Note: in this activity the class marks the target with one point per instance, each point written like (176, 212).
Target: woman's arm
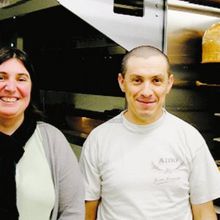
(68, 180)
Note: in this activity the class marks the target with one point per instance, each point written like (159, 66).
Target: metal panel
(126, 30)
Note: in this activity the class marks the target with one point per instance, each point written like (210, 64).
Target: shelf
(216, 139)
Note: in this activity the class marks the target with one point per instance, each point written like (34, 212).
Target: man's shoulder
(181, 124)
(108, 125)
(178, 120)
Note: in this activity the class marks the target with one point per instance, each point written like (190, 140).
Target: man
(146, 164)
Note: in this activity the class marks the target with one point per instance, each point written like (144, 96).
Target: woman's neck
(9, 126)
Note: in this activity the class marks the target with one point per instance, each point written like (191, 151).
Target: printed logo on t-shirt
(167, 169)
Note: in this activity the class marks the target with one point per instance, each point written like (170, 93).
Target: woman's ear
(121, 82)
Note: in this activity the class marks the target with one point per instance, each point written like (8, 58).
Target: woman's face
(15, 89)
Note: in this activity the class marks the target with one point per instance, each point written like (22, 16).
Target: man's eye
(157, 80)
(136, 81)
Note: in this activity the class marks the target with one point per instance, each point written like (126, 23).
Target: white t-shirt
(148, 172)
(35, 189)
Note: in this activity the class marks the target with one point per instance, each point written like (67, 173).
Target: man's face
(145, 84)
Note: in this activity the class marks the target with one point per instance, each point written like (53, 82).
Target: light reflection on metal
(193, 83)
(11, 3)
(129, 7)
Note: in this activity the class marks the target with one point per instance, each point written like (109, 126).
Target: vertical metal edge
(164, 31)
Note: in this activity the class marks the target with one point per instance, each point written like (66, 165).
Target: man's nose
(147, 89)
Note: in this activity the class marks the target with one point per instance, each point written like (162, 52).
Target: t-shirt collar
(142, 128)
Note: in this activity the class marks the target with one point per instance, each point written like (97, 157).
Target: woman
(39, 173)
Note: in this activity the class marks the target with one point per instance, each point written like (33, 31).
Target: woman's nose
(10, 85)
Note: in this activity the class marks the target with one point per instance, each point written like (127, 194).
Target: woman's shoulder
(52, 137)
(47, 126)
(49, 130)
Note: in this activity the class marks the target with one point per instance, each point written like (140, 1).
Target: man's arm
(204, 211)
(91, 209)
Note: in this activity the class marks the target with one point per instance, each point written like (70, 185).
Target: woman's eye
(22, 77)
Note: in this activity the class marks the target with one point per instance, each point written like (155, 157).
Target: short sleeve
(89, 166)
(204, 177)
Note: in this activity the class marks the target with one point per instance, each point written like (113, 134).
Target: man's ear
(170, 83)
(121, 82)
